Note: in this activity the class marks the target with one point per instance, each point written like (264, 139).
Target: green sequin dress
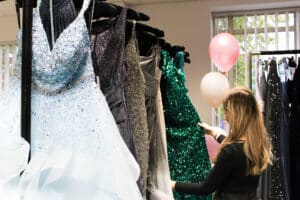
(187, 152)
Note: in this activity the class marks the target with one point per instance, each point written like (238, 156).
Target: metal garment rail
(275, 52)
(27, 6)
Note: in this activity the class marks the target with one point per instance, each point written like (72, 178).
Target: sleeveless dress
(136, 106)
(108, 44)
(77, 150)
(187, 152)
(158, 183)
(273, 114)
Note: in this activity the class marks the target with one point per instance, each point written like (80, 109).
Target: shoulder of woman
(232, 149)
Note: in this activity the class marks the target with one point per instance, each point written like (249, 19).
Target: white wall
(184, 23)
(8, 21)
(188, 24)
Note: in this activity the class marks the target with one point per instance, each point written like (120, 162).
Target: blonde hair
(246, 122)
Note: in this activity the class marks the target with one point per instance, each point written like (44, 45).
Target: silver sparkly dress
(77, 150)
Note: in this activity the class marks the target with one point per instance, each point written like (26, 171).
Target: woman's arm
(216, 178)
(217, 133)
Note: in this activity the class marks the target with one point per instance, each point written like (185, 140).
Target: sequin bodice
(54, 70)
(178, 110)
(187, 152)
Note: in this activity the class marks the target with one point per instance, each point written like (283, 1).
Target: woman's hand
(207, 129)
(213, 131)
(173, 183)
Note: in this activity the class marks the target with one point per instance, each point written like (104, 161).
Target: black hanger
(19, 3)
(292, 62)
(105, 9)
(186, 53)
(187, 57)
(166, 46)
(153, 33)
(187, 60)
(146, 40)
(145, 28)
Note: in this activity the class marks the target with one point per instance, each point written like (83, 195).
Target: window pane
(271, 41)
(282, 41)
(261, 41)
(221, 25)
(238, 22)
(270, 20)
(260, 21)
(250, 21)
(240, 39)
(291, 19)
(240, 71)
(281, 20)
(291, 40)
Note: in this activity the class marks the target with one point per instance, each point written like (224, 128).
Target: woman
(243, 155)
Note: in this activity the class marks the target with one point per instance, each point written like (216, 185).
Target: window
(256, 30)
(7, 61)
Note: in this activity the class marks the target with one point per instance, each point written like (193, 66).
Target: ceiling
(138, 2)
(7, 7)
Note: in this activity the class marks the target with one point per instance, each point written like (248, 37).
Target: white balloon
(214, 87)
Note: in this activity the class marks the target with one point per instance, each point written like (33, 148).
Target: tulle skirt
(77, 150)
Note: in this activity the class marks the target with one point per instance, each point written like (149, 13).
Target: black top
(229, 175)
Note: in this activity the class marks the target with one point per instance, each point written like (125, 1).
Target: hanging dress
(273, 114)
(77, 150)
(158, 182)
(108, 44)
(136, 106)
(14, 150)
(162, 174)
(187, 152)
(294, 99)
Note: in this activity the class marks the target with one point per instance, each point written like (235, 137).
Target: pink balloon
(224, 51)
(212, 146)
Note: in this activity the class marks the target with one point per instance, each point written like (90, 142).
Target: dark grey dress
(108, 44)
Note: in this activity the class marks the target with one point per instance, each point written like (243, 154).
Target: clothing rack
(275, 52)
(27, 6)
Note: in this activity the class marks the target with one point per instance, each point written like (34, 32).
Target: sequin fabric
(272, 121)
(75, 140)
(108, 44)
(187, 152)
(136, 106)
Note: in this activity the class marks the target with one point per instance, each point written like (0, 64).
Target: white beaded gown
(77, 150)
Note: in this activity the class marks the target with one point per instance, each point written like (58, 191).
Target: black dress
(108, 44)
(273, 113)
(294, 98)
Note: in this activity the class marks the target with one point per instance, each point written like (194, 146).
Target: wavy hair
(246, 123)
